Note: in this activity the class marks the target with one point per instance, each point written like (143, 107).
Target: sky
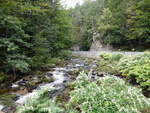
(71, 3)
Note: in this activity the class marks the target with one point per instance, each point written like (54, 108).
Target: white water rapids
(1, 107)
(59, 77)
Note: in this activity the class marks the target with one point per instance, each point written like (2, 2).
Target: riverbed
(57, 80)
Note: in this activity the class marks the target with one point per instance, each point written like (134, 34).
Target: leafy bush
(106, 95)
(52, 62)
(40, 104)
(21, 64)
(105, 56)
(66, 54)
(111, 57)
(116, 57)
(137, 67)
(2, 77)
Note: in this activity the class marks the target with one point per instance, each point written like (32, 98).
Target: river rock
(56, 91)
(49, 74)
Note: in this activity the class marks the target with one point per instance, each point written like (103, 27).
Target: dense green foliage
(111, 57)
(81, 30)
(106, 95)
(137, 67)
(120, 23)
(138, 22)
(31, 33)
(34, 33)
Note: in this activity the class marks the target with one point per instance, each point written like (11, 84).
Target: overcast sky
(71, 3)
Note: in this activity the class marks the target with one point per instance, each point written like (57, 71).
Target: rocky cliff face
(98, 46)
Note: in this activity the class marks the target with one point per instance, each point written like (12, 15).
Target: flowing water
(1, 107)
(60, 77)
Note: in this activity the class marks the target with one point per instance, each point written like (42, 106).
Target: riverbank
(59, 82)
(89, 90)
(12, 89)
(27, 86)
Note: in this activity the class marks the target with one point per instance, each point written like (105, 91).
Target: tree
(120, 23)
(139, 22)
(31, 32)
(105, 26)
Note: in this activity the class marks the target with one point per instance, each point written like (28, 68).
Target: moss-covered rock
(33, 82)
(73, 74)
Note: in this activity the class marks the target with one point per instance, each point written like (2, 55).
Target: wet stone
(57, 79)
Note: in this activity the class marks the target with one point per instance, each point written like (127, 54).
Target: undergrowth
(41, 103)
(105, 95)
(135, 67)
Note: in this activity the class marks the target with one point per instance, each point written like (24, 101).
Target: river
(60, 76)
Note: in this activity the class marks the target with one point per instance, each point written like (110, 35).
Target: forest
(123, 24)
(31, 33)
(39, 72)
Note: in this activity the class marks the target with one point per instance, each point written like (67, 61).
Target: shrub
(111, 57)
(106, 95)
(115, 57)
(2, 77)
(40, 104)
(19, 65)
(51, 63)
(65, 54)
(105, 56)
(137, 67)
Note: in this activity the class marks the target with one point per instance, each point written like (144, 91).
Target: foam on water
(79, 65)
(1, 107)
(24, 98)
(15, 86)
(57, 75)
